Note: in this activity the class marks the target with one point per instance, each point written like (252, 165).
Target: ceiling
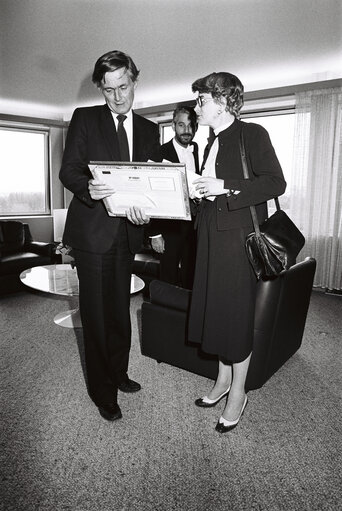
(49, 47)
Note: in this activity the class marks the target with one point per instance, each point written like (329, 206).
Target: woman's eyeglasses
(202, 101)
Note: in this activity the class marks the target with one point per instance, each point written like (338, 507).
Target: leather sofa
(18, 252)
(280, 317)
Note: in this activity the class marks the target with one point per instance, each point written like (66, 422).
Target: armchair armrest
(38, 247)
(41, 248)
(168, 295)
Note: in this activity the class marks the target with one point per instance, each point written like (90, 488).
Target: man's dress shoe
(129, 386)
(110, 412)
(205, 402)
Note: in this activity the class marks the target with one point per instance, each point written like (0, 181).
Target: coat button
(219, 209)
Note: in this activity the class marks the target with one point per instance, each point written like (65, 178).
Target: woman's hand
(99, 190)
(208, 186)
(137, 216)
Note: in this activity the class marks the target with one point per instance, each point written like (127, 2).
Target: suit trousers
(104, 299)
(177, 263)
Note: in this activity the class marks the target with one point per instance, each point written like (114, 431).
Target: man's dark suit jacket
(92, 137)
(169, 152)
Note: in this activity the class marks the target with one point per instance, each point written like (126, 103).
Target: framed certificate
(160, 189)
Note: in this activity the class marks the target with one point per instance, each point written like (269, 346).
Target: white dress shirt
(185, 155)
(209, 169)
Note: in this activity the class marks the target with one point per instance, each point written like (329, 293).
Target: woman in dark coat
(223, 297)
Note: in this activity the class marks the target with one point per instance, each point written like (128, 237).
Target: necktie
(211, 140)
(122, 138)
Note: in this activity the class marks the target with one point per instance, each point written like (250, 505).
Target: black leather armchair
(18, 252)
(280, 317)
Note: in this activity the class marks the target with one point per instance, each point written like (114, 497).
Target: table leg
(69, 319)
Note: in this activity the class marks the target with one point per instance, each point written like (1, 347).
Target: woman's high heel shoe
(205, 402)
(223, 425)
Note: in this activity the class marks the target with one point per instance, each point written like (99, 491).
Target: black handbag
(275, 244)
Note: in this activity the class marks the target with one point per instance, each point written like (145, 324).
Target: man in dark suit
(104, 246)
(177, 239)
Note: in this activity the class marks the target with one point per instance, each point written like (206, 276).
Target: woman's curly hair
(222, 85)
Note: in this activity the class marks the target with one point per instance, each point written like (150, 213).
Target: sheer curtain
(316, 183)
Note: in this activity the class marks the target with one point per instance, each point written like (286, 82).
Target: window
(24, 171)
(280, 128)
(275, 115)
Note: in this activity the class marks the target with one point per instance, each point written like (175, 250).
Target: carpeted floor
(57, 453)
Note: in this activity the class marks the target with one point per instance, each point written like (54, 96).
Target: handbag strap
(246, 176)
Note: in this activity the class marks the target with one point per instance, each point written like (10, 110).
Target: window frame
(251, 109)
(25, 127)
(162, 125)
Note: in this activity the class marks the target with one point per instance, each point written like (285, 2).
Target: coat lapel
(171, 153)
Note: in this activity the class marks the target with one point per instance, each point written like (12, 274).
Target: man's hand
(99, 190)
(137, 216)
(158, 244)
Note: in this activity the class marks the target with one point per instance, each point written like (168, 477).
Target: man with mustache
(177, 240)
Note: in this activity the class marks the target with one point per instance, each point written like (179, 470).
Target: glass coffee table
(61, 279)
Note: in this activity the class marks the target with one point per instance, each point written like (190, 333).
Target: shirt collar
(178, 146)
(129, 116)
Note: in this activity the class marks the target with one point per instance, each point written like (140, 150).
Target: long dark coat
(223, 297)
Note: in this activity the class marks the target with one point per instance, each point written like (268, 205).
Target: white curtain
(316, 183)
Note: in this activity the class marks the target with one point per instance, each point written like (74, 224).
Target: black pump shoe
(223, 426)
(205, 402)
